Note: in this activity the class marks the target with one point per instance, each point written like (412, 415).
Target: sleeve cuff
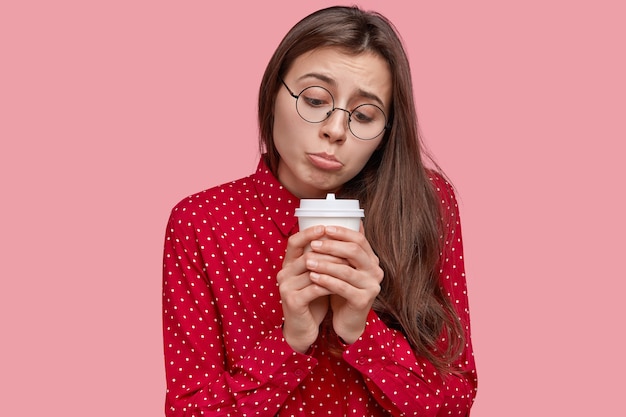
(274, 362)
(376, 347)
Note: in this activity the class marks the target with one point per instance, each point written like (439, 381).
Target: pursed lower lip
(325, 163)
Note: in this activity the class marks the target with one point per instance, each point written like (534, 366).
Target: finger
(359, 278)
(313, 256)
(358, 293)
(358, 253)
(337, 277)
(292, 282)
(342, 233)
(348, 235)
(299, 241)
(296, 271)
(297, 300)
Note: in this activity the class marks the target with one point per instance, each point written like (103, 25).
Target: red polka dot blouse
(225, 354)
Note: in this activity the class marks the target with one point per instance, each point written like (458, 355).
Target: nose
(335, 127)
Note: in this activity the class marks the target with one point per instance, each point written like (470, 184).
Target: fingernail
(331, 229)
(311, 263)
(314, 276)
(316, 244)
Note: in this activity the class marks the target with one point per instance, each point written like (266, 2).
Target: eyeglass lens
(316, 104)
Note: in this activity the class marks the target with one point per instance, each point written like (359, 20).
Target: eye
(367, 113)
(316, 97)
(360, 117)
(314, 102)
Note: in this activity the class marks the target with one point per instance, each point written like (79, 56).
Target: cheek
(367, 149)
(283, 122)
(359, 155)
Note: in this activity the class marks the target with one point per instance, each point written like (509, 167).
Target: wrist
(349, 337)
(300, 345)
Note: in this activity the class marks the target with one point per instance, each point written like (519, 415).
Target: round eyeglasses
(316, 104)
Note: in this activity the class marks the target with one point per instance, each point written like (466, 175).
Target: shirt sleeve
(199, 382)
(401, 381)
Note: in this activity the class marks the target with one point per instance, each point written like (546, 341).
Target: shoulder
(213, 199)
(446, 199)
(442, 187)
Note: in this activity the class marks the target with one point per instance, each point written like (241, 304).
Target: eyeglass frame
(330, 113)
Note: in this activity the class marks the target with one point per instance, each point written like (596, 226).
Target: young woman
(368, 323)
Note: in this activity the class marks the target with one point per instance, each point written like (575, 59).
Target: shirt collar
(279, 203)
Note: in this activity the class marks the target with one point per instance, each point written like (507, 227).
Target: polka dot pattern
(224, 350)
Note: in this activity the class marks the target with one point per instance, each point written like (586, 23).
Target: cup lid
(329, 207)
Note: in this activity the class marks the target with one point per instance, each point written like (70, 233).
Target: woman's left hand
(354, 283)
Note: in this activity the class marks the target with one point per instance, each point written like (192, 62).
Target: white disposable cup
(329, 212)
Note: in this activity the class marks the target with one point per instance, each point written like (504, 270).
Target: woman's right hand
(304, 303)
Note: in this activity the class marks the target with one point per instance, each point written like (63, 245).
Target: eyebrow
(332, 82)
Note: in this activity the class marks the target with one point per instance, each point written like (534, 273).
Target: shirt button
(299, 373)
(362, 360)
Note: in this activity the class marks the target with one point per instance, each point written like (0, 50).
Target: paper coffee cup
(329, 212)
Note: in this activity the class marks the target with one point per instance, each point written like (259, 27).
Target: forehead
(347, 72)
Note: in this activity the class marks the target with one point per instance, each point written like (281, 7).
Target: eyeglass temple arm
(288, 89)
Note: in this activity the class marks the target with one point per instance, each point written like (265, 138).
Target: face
(318, 158)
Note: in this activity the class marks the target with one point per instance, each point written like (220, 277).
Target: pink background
(111, 112)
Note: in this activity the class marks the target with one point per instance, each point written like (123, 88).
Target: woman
(367, 323)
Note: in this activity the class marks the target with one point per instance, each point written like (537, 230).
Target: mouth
(324, 161)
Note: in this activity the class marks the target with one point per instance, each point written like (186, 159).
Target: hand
(353, 283)
(304, 303)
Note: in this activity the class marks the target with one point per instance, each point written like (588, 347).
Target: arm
(463, 382)
(200, 378)
(402, 382)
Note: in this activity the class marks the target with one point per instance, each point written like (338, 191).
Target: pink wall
(111, 113)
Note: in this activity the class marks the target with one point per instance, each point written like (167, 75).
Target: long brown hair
(403, 220)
